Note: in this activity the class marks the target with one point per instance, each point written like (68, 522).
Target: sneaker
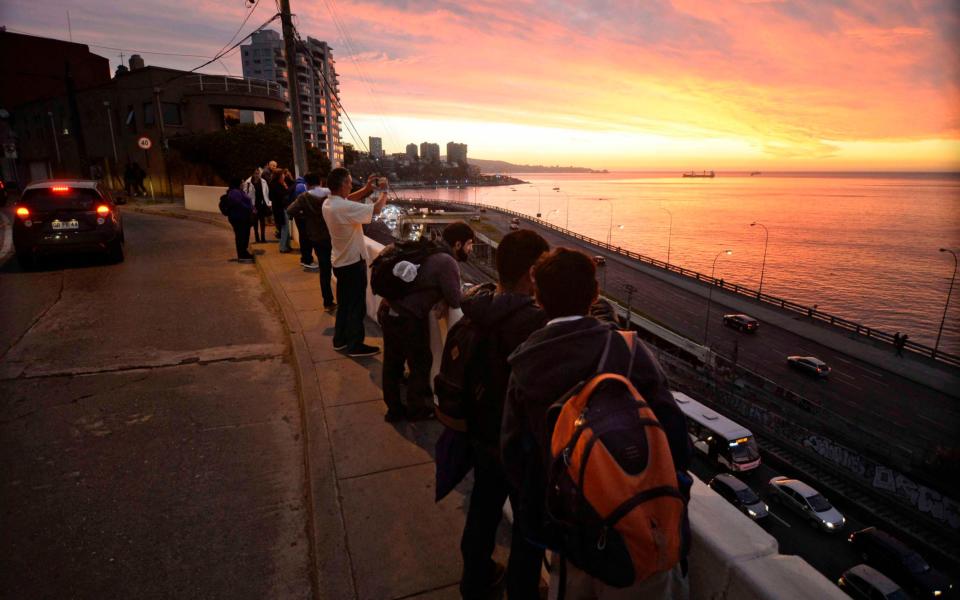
(340, 347)
(363, 350)
(245, 261)
(311, 266)
(394, 415)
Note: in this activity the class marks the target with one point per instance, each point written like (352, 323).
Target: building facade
(97, 131)
(456, 153)
(317, 84)
(412, 152)
(376, 147)
(429, 152)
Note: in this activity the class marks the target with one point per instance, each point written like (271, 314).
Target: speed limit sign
(145, 143)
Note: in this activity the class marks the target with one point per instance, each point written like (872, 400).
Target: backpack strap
(630, 339)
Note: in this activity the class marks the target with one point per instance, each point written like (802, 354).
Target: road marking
(842, 360)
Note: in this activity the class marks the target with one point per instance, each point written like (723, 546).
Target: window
(149, 114)
(171, 113)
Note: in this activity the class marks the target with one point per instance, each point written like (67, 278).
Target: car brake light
(60, 189)
(23, 212)
(103, 210)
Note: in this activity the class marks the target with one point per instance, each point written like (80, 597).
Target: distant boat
(755, 173)
(699, 174)
(556, 189)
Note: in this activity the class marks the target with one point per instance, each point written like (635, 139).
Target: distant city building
(317, 84)
(456, 153)
(376, 147)
(412, 152)
(429, 152)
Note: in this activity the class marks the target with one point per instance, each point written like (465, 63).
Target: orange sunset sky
(752, 84)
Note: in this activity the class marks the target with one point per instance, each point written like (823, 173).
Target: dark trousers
(306, 246)
(406, 340)
(324, 249)
(490, 491)
(241, 234)
(260, 221)
(352, 305)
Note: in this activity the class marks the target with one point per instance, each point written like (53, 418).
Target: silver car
(807, 502)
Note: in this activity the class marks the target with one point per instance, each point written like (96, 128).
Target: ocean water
(863, 246)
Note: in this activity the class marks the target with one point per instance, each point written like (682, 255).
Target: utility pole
(293, 89)
(163, 138)
(630, 290)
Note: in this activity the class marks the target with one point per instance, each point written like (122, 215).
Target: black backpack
(225, 204)
(382, 280)
(463, 364)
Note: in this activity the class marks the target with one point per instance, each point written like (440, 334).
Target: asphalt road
(150, 426)
(914, 417)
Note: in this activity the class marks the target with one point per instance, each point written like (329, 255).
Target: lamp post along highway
(947, 304)
(610, 227)
(713, 279)
(669, 232)
(763, 265)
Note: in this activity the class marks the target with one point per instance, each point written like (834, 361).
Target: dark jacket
(309, 207)
(544, 368)
(438, 279)
(240, 206)
(278, 193)
(508, 319)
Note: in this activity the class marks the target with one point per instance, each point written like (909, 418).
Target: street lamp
(538, 200)
(763, 265)
(610, 228)
(945, 306)
(669, 232)
(706, 325)
(567, 226)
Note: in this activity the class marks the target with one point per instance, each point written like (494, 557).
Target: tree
(237, 151)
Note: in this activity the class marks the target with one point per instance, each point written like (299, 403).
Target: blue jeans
(283, 224)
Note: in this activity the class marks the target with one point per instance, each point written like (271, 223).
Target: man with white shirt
(345, 214)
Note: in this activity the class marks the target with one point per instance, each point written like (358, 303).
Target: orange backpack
(613, 506)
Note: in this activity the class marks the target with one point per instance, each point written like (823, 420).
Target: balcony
(256, 87)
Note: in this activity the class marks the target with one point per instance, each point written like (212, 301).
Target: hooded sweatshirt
(508, 319)
(309, 207)
(544, 368)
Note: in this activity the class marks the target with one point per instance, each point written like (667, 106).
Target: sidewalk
(377, 531)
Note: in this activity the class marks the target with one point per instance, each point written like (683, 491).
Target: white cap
(405, 270)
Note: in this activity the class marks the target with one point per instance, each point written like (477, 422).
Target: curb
(331, 573)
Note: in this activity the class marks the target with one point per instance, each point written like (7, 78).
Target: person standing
(406, 330)
(345, 218)
(239, 212)
(309, 208)
(567, 351)
(279, 190)
(306, 245)
(256, 188)
(138, 176)
(507, 314)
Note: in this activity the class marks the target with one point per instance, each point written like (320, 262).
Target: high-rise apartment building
(376, 147)
(412, 151)
(429, 152)
(456, 153)
(316, 82)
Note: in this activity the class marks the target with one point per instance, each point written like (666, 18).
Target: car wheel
(26, 260)
(115, 251)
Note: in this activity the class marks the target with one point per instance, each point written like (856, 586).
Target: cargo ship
(699, 174)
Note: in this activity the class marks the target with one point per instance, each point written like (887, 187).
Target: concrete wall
(203, 198)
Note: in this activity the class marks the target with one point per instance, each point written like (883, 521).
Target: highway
(915, 418)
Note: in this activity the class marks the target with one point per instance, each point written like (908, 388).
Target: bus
(717, 437)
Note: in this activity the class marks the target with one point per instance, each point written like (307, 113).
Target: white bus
(717, 437)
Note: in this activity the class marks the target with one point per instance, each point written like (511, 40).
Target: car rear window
(45, 199)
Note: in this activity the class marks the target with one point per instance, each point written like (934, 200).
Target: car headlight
(937, 593)
(830, 525)
(751, 512)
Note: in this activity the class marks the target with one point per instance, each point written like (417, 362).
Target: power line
(131, 50)
(253, 9)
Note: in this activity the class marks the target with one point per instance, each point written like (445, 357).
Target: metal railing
(215, 83)
(808, 311)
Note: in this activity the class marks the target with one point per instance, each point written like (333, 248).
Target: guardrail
(808, 311)
(211, 83)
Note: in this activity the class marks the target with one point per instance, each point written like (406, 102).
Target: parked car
(809, 364)
(66, 217)
(867, 583)
(742, 322)
(807, 502)
(600, 260)
(515, 220)
(514, 227)
(740, 495)
(475, 218)
(891, 556)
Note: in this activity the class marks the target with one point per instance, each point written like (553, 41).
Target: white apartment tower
(316, 83)
(376, 147)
